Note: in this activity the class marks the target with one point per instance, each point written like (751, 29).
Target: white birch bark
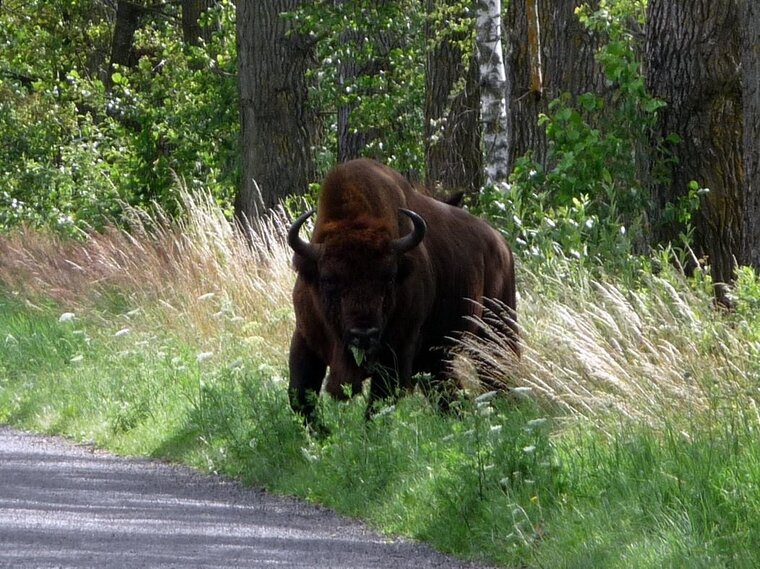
(493, 89)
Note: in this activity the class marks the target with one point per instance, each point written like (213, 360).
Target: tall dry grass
(602, 352)
(194, 277)
(590, 348)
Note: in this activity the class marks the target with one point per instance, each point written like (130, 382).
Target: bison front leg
(307, 371)
(389, 380)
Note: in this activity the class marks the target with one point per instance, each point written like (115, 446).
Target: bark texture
(127, 21)
(276, 123)
(493, 86)
(550, 52)
(750, 16)
(693, 54)
(453, 160)
(192, 29)
(353, 137)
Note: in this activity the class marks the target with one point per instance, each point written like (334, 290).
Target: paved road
(67, 506)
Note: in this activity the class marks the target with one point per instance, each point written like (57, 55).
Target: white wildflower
(309, 456)
(485, 410)
(385, 411)
(485, 397)
(532, 424)
(203, 356)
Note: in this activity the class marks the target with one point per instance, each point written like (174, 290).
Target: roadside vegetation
(625, 439)
(135, 317)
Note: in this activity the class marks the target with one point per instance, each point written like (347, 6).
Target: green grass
(502, 481)
(631, 441)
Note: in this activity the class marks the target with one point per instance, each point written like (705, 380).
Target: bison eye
(388, 278)
(328, 283)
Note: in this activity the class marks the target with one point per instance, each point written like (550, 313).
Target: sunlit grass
(626, 440)
(199, 277)
(605, 353)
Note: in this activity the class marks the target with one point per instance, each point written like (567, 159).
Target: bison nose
(364, 338)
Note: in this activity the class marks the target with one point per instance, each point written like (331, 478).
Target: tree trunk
(192, 30)
(750, 16)
(453, 159)
(127, 21)
(550, 52)
(693, 53)
(493, 86)
(277, 125)
(351, 139)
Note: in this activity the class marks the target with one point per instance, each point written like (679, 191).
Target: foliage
(79, 137)
(177, 114)
(51, 169)
(384, 43)
(591, 201)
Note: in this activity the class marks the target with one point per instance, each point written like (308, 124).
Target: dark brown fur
(418, 300)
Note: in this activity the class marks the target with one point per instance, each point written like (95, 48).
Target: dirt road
(66, 506)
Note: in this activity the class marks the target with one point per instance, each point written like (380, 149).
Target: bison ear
(306, 268)
(405, 268)
(455, 200)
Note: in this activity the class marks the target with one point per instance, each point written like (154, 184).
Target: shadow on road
(65, 506)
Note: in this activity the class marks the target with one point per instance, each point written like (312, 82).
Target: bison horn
(410, 241)
(298, 245)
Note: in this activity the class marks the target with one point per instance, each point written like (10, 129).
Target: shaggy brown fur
(402, 308)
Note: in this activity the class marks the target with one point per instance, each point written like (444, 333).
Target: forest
(154, 153)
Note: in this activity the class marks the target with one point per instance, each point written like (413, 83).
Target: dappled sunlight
(654, 354)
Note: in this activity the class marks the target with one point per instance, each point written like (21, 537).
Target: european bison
(389, 277)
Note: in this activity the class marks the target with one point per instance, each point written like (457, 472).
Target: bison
(389, 278)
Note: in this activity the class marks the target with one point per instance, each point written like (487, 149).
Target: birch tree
(493, 89)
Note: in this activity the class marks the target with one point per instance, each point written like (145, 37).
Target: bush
(591, 200)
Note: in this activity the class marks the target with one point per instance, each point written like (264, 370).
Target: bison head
(356, 270)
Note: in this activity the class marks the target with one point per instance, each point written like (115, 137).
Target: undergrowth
(625, 438)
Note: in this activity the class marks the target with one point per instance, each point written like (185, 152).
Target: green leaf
(358, 354)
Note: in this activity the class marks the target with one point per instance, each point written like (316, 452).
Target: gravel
(69, 506)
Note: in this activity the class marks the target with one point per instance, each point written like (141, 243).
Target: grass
(628, 440)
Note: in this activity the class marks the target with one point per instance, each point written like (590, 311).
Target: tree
(693, 57)
(493, 86)
(128, 16)
(366, 54)
(549, 52)
(193, 30)
(453, 159)
(750, 16)
(277, 126)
